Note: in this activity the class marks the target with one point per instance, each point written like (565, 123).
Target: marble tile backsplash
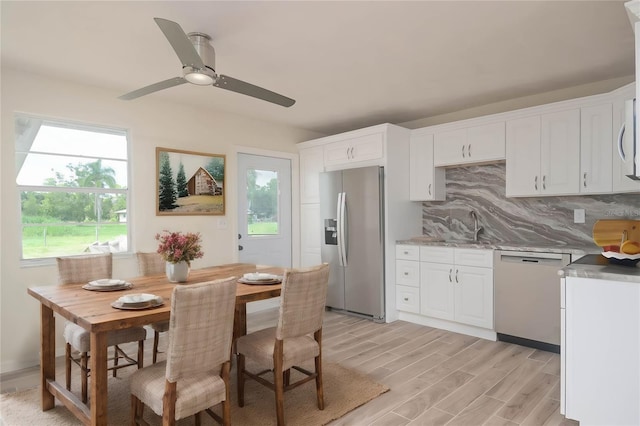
(539, 220)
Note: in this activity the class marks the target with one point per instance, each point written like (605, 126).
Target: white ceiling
(348, 64)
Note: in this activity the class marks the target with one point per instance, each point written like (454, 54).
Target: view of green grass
(64, 240)
(263, 228)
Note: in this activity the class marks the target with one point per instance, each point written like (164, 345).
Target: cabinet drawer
(408, 299)
(436, 254)
(408, 252)
(474, 257)
(408, 273)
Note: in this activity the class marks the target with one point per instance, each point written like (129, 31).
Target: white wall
(150, 124)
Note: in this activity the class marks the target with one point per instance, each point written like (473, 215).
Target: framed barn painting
(189, 183)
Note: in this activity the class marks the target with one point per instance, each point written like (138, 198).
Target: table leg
(98, 379)
(47, 355)
(239, 323)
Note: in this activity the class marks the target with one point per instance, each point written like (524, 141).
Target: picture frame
(189, 183)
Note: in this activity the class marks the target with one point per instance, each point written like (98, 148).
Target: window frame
(81, 126)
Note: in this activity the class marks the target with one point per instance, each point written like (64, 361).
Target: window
(72, 182)
(262, 202)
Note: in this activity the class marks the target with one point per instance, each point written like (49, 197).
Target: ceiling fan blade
(180, 43)
(153, 88)
(239, 86)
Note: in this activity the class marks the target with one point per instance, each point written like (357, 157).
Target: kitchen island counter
(598, 267)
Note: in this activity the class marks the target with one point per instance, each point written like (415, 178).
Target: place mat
(125, 286)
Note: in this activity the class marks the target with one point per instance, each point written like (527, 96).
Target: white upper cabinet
(311, 165)
(426, 183)
(523, 157)
(596, 139)
(354, 150)
(543, 154)
(559, 152)
(472, 145)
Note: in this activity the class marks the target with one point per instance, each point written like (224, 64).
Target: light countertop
(538, 248)
(598, 267)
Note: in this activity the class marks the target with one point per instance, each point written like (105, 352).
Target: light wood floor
(435, 377)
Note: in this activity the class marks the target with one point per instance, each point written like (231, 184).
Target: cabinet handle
(450, 271)
(469, 150)
(406, 274)
(406, 299)
(463, 156)
(429, 189)
(406, 252)
(535, 183)
(544, 182)
(584, 179)
(457, 276)
(352, 156)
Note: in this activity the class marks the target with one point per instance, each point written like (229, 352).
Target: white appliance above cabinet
(472, 145)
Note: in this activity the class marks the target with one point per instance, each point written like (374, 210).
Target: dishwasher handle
(534, 258)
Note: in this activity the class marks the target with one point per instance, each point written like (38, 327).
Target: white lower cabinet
(601, 346)
(453, 284)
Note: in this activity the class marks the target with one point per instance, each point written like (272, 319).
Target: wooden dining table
(92, 311)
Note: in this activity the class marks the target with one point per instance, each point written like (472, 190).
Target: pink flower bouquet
(177, 247)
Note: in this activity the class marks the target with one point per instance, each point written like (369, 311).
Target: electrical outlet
(578, 216)
(222, 223)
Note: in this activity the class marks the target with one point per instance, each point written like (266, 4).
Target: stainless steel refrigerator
(352, 211)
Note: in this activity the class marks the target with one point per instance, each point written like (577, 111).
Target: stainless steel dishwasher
(527, 298)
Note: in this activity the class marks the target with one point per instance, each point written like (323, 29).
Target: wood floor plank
(553, 365)
(521, 405)
(449, 366)
(432, 417)
(419, 341)
(513, 357)
(477, 413)
(464, 397)
(498, 421)
(507, 388)
(539, 355)
(432, 395)
(415, 369)
(366, 355)
(390, 419)
(487, 358)
(542, 413)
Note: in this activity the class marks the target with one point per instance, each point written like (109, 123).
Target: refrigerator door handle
(342, 225)
(339, 227)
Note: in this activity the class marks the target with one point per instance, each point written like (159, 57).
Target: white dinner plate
(620, 256)
(260, 276)
(107, 282)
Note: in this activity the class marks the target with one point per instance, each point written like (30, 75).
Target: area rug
(344, 390)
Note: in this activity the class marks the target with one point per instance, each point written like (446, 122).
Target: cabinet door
(523, 157)
(474, 296)
(596, 138)
(450, 148)
(311, 165)
(560, 152)
(310, 235)
(621, 183)
(486, 143)
(436, 290)
(355, 149)
(425, 182)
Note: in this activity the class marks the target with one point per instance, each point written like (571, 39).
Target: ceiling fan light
(199, 78)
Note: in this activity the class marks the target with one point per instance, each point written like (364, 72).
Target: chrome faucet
(476, 229)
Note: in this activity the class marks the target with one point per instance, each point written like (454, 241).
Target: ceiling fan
(198, 67)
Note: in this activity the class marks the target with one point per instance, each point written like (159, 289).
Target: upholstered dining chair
(195, 375)
(82, 269)
(152, 264)
(296, 339)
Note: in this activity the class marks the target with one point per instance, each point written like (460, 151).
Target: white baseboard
(455, 327)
